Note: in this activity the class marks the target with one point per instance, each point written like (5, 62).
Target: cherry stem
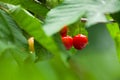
(78, 29)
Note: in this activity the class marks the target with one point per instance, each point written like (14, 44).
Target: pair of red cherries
(79, 41)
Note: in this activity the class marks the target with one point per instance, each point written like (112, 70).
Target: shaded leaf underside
(11, 38)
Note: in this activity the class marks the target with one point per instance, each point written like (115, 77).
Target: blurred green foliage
(50, 61)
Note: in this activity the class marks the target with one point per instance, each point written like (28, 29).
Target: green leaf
(33, 27)
(70, 11)
(117, 41)
(11, 38)
(116, 16)
(99, 56)
(41, 53)
(53, 3)
(113, 29)
(34, 7)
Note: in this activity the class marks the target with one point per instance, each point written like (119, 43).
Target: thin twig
(85, 20)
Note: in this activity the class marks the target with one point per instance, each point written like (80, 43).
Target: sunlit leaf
(113, 29)
(70, 11)
(33, 27)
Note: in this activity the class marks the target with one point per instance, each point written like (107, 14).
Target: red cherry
(67, 41)
(80, 41)
(63, 31)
